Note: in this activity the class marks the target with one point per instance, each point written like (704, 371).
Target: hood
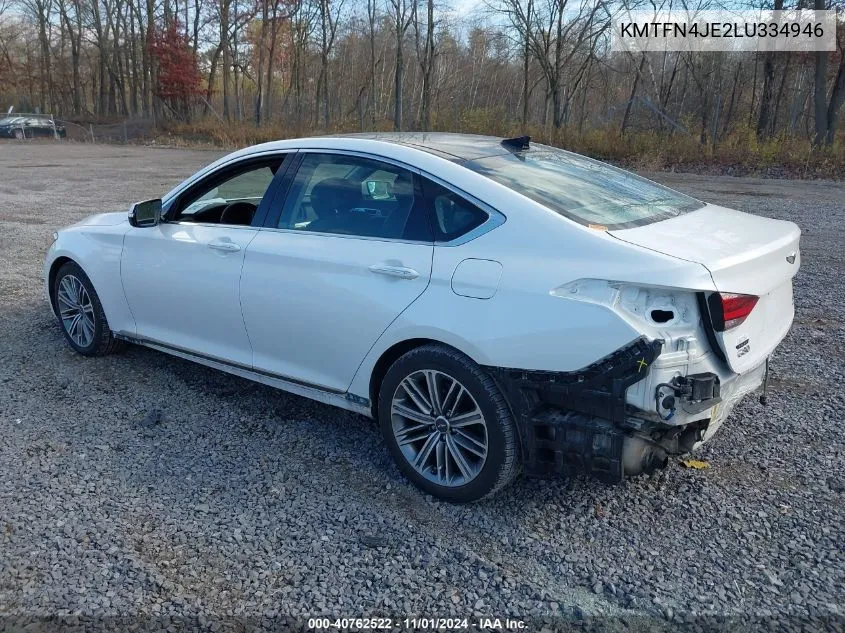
(112, 218)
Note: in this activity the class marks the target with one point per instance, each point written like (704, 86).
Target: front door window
(231, 199)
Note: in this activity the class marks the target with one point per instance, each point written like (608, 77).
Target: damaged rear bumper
(583, 421)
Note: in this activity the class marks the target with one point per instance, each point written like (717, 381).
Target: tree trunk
(821, 89)
(371, 22)
(323, 80)
(773, 127)
(155, 106)
(766, 96)
(212, 74)
(398, 78)
(259, 74)
(427, 66)
(46, 73)
(632, 96)
(271, 55)
(764, 121)
(526, 64)
(226, 60)
(837, 98)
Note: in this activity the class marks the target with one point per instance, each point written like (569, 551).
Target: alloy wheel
(439, 428)
(76, 310)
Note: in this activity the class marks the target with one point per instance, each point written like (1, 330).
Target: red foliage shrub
(178, 77)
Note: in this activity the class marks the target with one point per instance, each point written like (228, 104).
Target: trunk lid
(745, 254)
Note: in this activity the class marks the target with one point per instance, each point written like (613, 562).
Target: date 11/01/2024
(424, 624)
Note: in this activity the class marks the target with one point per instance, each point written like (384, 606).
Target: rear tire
(81, 314)
(459, 446)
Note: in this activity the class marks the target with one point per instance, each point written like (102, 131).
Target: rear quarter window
(451, 215)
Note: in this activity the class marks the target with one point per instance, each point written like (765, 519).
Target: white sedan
(497, 305)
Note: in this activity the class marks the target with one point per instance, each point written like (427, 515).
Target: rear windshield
(582, 189)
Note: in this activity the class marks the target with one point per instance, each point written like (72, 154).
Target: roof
(448, 149)
(455, 147)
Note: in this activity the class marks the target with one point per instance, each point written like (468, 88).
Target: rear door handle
(401, 272)
(224, 245)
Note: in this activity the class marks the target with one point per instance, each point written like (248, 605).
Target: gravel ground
(245, 504)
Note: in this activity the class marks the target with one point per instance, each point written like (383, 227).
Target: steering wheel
(239, 212)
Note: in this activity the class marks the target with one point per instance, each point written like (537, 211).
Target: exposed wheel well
(390, 356)
(51, 278)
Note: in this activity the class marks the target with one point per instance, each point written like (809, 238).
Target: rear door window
(343, 194)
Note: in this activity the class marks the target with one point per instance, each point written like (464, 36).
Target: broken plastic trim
(709, 329)
(598, 389)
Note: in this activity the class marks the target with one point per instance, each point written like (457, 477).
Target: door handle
(401, 272)
(221, 245)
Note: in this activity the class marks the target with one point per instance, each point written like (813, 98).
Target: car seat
(333, 200)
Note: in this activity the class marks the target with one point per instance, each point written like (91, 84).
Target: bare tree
(39, 10)
(372, 16)
(262, 53)
(329, 10)
(562, 39)
(223, 8)
(350, 64)
(426, 54)
(827, 108)
(401, 14)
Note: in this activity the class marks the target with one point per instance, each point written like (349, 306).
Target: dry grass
(738, 153)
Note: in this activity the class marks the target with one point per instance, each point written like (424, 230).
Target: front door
(182, 277)
(350, 250)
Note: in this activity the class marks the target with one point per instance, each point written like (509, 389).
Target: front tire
(81, 314)
(448, 425)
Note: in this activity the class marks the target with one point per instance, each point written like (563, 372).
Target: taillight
(727, 310)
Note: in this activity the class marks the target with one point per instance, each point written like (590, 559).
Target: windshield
(9, 120)
(582, 189)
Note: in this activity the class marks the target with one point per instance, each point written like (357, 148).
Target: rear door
(182, 277)
(348, 251)
(745, 254)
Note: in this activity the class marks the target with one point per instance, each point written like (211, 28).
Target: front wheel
(447, 425)
(81, 314)
(19, 135)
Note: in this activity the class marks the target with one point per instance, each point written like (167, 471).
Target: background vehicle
(31, 126)
(496, 306)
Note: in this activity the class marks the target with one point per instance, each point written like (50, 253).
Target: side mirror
(145, 214)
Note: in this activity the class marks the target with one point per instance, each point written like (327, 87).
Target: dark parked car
(31, 126)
